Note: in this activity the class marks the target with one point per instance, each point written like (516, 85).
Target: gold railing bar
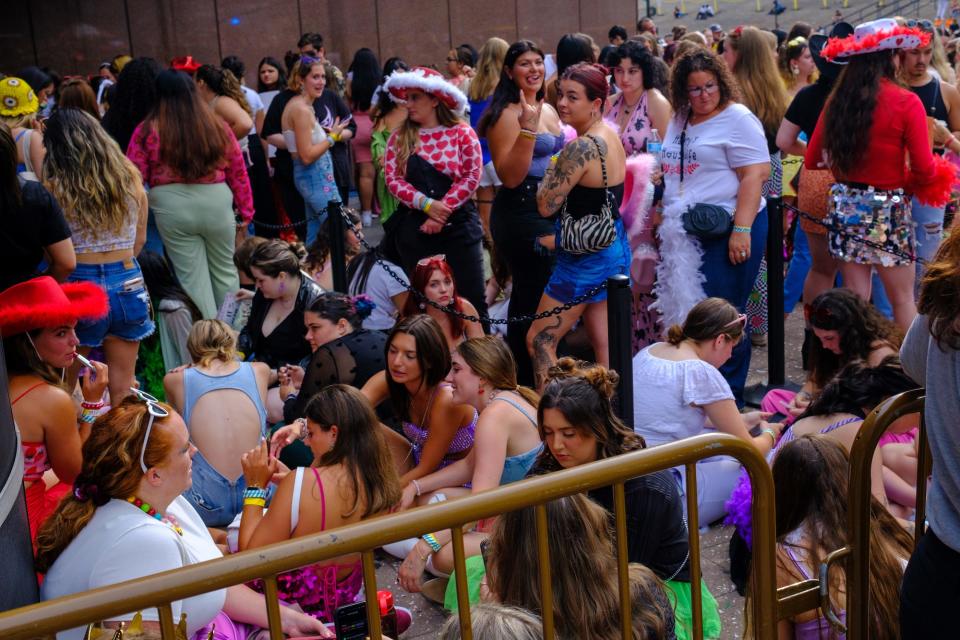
(924, 464)
(546, 587)
(272, 598)
(370, 592)
(167, 627)
(693, 531)
(797, 598)
(623, 559)
(463, 596)
(144, 593)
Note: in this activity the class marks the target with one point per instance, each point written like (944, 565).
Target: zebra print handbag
(592, 232)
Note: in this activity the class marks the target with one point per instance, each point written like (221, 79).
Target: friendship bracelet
(254, 502)
(256, 493)
(431, 540)
(739, 228)
(336, 137)
(772, 435)
(426, 207)
(553, 159)
(87, 418)
(527, 133)
(331, 140)
(92, 405)
(416, 485)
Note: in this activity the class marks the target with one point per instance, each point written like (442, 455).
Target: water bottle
(654, 144)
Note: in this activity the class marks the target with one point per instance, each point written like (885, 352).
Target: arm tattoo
(557, 183)
(544, 352)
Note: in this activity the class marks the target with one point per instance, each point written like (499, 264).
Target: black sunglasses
(926, 25)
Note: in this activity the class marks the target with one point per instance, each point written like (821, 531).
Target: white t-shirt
(256, 105)
(713, 150)
(665, 392)
(122, 543)
(381, 288)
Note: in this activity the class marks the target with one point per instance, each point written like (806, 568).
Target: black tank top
(932, 99)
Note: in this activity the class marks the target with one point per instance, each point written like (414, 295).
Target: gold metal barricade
(159, 590)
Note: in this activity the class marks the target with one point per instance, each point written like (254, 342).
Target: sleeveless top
(636, 129)
(817, 627)
(544, 147)
(35, 459)
(417, 435)
(932, 99)
(316, 135)
(516, 467)
(89, 240)
(196, 384)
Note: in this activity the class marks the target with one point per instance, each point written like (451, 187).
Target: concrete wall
(74, 36)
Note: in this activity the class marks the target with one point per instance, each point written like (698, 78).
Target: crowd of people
(178, 359)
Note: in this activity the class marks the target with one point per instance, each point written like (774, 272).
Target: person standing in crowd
(76, 93)
(573, 48)
(639, 111)
(271, 80)
(586, 179)
(220, 89)
(930, 356)
(235, 66)
(174, 311)
(523, 132)
(388, 115)
(197, 177)
(310, 45)
(363, 77)
(37, 321)
(941, 101)
(797, 68)
(863, 135)
(33, 228)
(459, 64)
(133, 97)
(104, 202)
(310, 145)
(18, 110)
(714, 228)
(433, 165)
(482, 87)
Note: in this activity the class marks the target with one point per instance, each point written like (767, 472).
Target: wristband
(527, 133)
(303, 428)
(739, 228)
(769, 432)
(86, 416)
(92, 405)
(431, 540)
(331, 140)
(336, 137)
(255, 493)
(553, 158)
(254, 502)
(426, 207)
(291, 396)
(416, 485)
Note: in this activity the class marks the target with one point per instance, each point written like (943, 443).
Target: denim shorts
(129, 315)
(216, 499)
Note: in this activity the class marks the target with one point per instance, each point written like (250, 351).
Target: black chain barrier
(839, 230)
(451, 311)
(283, 227)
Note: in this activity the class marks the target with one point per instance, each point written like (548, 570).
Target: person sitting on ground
(352, 478)
(174, 311)
(367, 274)
(222, 401)
(583, 571)
(433, 277)
(126, 519)
(318, 263)
(235, 309)
(811, 488)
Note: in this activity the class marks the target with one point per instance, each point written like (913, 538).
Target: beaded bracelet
(92, 405)
(431, 540)
(739, 228)
(255, 492)
(254, 502)
(336, 137)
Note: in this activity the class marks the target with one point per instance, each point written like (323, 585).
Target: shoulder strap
(25, 145)
(19, 397)
(603, 160)
(323, 499)
(516, 405)
(295, 499)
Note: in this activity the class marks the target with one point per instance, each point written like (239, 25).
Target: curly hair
(848, 114)
(858, 388)
(134, 96)
(638, 55)
(700, 59)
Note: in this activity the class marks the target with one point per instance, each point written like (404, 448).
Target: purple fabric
(225, 629)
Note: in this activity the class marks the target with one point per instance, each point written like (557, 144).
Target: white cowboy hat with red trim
(873, 36)
(430, 82)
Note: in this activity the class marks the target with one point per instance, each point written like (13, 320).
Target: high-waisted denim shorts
(129, 316)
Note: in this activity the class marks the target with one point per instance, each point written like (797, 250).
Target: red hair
(419, 281)
(593, 77)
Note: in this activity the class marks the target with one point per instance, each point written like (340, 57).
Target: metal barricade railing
(858, 509)
(162, 589)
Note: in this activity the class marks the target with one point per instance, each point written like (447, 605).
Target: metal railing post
(338, 254)
(619, 325)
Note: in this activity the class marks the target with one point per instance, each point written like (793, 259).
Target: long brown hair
(708, 319)
(22, 358)
(938, 293)
(761, 88)
(433, 359)
(490, 359)
(583, 572)
(359, 447)
(810, 478)
(193, 140)
(110, 470)
(222, 82)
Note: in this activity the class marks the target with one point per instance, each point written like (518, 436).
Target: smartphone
(350, 621)
(133, 284)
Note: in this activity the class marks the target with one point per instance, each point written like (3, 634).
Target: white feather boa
(679, 273)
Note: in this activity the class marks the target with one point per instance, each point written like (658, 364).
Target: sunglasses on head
(440, 257)
(741, 320)
(926, 25)
(156, 410)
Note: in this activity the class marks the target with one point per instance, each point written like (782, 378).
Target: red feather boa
(935, 191)
(851, 45)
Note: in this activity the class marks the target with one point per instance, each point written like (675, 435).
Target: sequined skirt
(877, 226)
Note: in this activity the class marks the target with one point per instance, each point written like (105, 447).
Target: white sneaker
(366, 218)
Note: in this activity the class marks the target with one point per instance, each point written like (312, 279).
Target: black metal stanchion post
(618, 339)
(338, 260)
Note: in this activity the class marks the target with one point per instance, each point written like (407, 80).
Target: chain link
(284, 227)
(839, 230)
(453, 312)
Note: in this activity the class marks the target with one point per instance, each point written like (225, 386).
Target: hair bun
(604, 380)
(363, 305)
(675, 334)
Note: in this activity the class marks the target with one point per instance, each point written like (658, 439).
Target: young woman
(105, 204)
(310, 144)
(19, 112)
(578, 426)
(367, 274)
(352, 478)
(363, 77)
(223, 403)
(586, 179)
(864, 133)
(317, 262)
(126, 500)
(37, 320)
(714, 152)
(459, 62)
(133, 97)
(221, 90)
(482, 87)
(76, 93)
(522, 132)
(639, 111)
(197, 176)
(433, 277)
(810, 483)
(388, 115)
(796, 65)
(271, 79)
(573, 48)
(583, 573)
(506, 445)
(679, 391)
(433, 166)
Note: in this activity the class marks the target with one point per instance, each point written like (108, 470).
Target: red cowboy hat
(185, 63)
(430, 82)
(43, 303)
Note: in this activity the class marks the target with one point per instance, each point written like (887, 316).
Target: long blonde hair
(408, 135)
(223, 83)
(492, 54)
(87, 173)
(761, 88)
